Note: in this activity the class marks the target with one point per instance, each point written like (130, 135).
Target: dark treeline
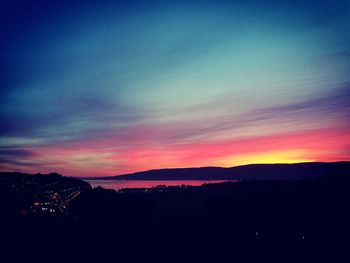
(297, 221)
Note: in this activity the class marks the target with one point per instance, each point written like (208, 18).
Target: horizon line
(174, 168)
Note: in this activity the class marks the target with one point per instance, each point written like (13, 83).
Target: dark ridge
(297, 171)
(40, 179)
(22, 193)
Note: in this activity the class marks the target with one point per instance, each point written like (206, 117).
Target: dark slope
(311, 170)
(27, 193)
(26, 180)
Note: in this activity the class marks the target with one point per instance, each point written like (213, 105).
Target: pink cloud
(142, 149)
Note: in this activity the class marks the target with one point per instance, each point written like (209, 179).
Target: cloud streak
(119, 87)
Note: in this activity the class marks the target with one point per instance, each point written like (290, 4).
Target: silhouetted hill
(39, 178)
(311, 170)
(31, 193)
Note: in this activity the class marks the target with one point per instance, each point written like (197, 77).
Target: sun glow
(290, 156)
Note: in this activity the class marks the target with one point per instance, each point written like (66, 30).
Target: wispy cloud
(119, 87)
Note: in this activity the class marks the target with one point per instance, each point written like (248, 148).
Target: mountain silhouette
(296, 171)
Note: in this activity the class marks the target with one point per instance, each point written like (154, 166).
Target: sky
(96, 88)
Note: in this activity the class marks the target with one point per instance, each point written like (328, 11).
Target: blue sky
(94, 72)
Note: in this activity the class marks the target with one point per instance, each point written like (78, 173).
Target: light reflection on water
(120, 184)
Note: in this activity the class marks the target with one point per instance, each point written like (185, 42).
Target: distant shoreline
(283, 171)
(151, 184)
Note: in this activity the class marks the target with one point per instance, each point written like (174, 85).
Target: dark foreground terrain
(291, 221)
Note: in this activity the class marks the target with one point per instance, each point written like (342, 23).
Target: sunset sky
(93, 88)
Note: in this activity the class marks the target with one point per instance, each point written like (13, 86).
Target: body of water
(120, 184)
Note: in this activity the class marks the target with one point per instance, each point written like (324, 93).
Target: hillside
(310, 170)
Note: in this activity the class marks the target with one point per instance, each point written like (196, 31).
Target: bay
(121, 184)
